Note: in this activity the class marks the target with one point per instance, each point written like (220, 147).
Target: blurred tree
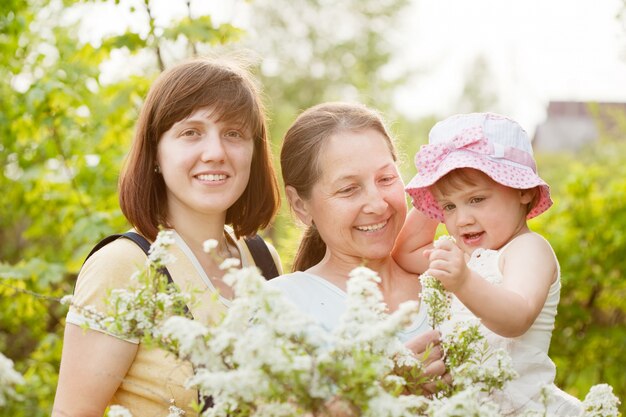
(318, 50)
(587, 227)
(63, 135)
(479, 92)
(64, 128)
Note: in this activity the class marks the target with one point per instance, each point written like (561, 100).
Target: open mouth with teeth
(212, 177)
(372, 227)
(469, 237)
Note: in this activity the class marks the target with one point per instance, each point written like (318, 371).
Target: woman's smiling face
(358, 204)
(205, 164)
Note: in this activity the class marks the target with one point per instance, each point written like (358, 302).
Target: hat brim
(509, 174)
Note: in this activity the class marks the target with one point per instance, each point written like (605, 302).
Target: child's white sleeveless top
(528, 352)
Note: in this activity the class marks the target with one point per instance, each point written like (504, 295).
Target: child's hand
(447, 264)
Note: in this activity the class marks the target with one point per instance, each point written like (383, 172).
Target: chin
(377, 255)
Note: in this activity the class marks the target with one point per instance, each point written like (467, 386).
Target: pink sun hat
(488, 142)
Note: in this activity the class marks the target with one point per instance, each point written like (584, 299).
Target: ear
(298, 205)
(527, 196)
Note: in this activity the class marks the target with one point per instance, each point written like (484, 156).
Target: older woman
(339, 167)
(199, 166)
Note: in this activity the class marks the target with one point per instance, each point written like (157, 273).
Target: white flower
(468, 402)
(209, 245)
(436, 298)
(186, 332)
(118, 411)
(443, 238)
(265, 357)
(229, 263)
(236, 385)
(600, 402)
(386, 405)
(175, 411)
(159, 253)
(66, 300)
(9, 377)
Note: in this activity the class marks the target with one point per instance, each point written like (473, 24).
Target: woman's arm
(93, 365)
(416, 235)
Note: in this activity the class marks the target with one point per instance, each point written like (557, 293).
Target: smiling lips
(372, 227)
(212, 177)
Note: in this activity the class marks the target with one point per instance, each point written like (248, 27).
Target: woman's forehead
(348, 154)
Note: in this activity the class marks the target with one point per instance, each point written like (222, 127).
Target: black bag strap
(139, 240)
(143, 243)
(262, 256)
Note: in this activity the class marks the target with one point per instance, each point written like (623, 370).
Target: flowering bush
(9, 378)
(266, 358)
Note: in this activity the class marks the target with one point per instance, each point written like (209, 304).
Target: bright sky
(537, 50)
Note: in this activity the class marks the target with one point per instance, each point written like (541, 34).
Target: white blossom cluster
(466, 403)
(267, 358)
(436, 298)
(601, 402)
(159, 254)
(9, 378)
(118, 411)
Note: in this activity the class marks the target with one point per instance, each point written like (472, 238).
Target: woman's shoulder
(111, 267)
(293, 279)
(119, 252)
(301, 285)
(113, 264)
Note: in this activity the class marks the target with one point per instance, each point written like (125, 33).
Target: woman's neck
(196, 229)
(337, 269)
(396, 285)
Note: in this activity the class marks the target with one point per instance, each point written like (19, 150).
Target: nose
(464, 216)
(213, 148)
(375, 202)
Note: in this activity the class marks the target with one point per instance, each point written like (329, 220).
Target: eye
(189, 133)
(448, 207)
(476, 200)
(345, 191)
(389, 179)
(234, 134)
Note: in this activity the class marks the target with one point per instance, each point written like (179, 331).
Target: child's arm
(416, 235)
(528, 267)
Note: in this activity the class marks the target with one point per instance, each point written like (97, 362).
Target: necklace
(225, 249)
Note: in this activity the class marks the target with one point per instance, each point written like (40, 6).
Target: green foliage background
(64, 130)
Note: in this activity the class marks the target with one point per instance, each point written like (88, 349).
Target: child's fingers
(436, 253)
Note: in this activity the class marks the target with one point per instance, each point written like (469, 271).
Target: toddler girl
(478, 176)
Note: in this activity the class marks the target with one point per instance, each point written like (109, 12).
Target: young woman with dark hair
(200, 166)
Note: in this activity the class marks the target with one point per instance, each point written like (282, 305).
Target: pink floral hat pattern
(488, 142)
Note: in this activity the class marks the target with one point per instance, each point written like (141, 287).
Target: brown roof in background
(570, 125)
